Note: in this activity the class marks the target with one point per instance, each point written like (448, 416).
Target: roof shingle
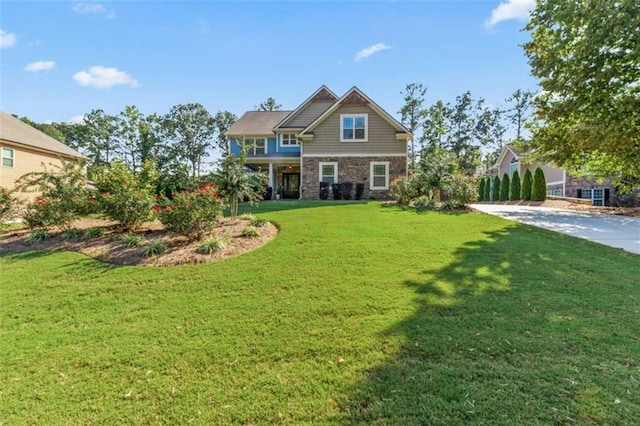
(257, 123)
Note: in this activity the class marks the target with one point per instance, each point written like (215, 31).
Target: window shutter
(606, 196)
(579, 193)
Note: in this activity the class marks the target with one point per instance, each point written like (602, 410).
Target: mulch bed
(109, 248)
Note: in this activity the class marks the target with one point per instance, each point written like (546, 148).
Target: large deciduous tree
(224, 120)
(586, 55)
(191, 129)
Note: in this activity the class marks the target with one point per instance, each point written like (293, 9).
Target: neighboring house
(325, 139)
(559, 181)
(24, 149)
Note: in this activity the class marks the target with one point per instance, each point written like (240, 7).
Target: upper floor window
(289, 139)
(354, 128)
(7, 157)
(515, 165)
(256, 146)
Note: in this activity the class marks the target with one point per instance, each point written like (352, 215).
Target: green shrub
(460, 190)
(37, 236)
(527, 184)
(211, 245)
(504, 188)
(154, 248)
(250, 231)
(514, 190)
(9, 205)
(247, 216)
(258, 223)
(424, 202)
(125, 196)
(496, 188)
(131, 240)
(487, 189)
(448, 205)
(191, 214)
(71, 234)
(404, 189)
(92, 233)
(481, 190)
(539, 188)
(63, 196)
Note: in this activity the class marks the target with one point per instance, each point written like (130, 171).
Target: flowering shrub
(9, 205)
(63, 196)
(460, 190)
(127, 197)
(191, 214)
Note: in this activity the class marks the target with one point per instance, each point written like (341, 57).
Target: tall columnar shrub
(527, 184)
(126, 197)
(514, 190)
(539, 190)
(487, 189)
(63, 196)
(496, 189)
(481, 190)
(504, 188)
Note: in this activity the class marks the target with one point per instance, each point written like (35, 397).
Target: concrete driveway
(614, 231)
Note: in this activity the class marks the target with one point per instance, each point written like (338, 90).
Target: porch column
(271, 178)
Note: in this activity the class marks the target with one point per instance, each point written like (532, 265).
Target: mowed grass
(355, 313)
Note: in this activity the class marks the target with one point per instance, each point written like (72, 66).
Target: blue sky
(61, 59)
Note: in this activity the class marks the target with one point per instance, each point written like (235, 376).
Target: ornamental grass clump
(153, 249)
(131, 240)
(191, 213)
(37, 236)
(211, 245)
(251, 232)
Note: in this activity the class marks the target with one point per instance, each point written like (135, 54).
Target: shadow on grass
(405, 208)
(469, 341)
(12, 257)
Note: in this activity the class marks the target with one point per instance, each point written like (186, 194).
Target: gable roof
(503, 152)
(356, 96)
(18, 132)
(322, 94)
(257, 123)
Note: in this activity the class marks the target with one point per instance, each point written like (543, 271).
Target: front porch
(282, 175)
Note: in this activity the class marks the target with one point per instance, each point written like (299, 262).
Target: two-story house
(325, 139)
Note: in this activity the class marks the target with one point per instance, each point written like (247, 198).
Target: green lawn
(355, 313)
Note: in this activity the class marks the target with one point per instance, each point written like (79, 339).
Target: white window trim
(12, 158)
(252, 146)
(366, 127)
(386, 177)
(328, 163)
(283, 145)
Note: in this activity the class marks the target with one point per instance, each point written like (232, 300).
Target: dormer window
(289, 139)
(354, 128)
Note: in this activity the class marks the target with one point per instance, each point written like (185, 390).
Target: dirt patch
(110, 248)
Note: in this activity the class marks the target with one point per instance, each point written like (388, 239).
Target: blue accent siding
(272, 144)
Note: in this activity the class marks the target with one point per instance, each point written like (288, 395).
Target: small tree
(460, 190)
(514, 190)
(496, 189)
(481, 190)
(236, 184)
(63, 195)
(539, 190)
(126, 197)
(504, 188)
(487, 189)
(527, 183)
(405, 189)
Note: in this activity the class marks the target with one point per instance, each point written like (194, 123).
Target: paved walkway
(615, 231)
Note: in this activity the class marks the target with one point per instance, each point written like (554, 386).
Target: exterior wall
(574, 183)
(381, 136)
(505, 166)
(273, 147)
(309, 113)
(25, 161)
(350, 169)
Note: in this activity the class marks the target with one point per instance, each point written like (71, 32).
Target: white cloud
(104, 78)
(40, 66)
(76, 119)
(511, 9)
(7, 39)
(84, 8)
(368, 51)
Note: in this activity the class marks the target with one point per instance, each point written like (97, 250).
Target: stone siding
(350, 169)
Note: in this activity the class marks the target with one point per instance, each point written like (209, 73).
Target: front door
(291, 185)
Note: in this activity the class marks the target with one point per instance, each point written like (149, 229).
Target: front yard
(354, 313)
